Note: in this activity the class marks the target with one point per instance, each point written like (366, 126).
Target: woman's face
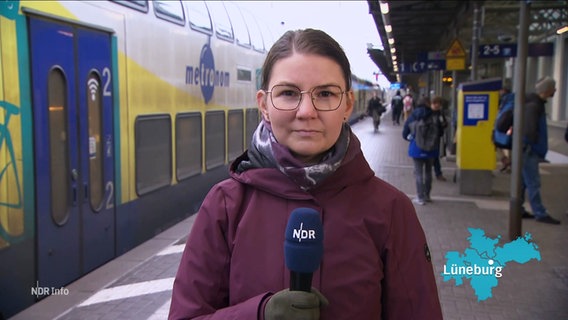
(307, 132)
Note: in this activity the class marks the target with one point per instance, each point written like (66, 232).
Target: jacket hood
(353, 169)
(422, 111)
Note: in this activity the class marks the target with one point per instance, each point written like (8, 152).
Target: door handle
(74, 196)
(74, 177)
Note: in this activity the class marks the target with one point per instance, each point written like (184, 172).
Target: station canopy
(423, 27)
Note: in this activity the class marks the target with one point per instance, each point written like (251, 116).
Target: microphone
(303, 247)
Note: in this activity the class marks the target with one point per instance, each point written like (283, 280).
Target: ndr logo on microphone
(302, 234)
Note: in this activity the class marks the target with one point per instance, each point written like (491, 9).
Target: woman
(375, 262)
(408, 102)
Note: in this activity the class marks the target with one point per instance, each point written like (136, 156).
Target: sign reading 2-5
(498, 50)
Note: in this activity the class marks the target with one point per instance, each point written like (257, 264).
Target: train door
(73, 145)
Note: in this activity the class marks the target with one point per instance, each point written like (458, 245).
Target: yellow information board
(476, 157)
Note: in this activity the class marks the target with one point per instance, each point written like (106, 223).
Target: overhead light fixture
(384, 7)
(393, 50)
(388, 28)
(391, 40)
(562, 30)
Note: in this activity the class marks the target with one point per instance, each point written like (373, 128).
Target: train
(116, 118)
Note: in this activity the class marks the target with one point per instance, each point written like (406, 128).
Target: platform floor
(137, 285)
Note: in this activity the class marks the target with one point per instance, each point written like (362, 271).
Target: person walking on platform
(396, 108)
(423, 158)
(303, 154)
(535, 147)
(375, 109)
(439, 113)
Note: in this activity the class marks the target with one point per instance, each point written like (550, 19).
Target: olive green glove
(295, 305)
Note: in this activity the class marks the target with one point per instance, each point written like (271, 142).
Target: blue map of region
(484, 262)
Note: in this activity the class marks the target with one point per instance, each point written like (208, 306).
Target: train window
(244, 74)
(199, 18)
(254, 31)
(58, 146)
(223, 27)
(214, 139)
(170, 10)
(235, 134)
(252, 121)
(188, 145)
(239, 25)
(140, 5)
(153, 152)
(94, 109)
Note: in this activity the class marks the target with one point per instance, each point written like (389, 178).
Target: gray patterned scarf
(266, 152)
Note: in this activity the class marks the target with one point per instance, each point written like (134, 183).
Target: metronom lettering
(206, 76)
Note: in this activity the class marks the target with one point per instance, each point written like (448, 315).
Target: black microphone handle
(300, 281)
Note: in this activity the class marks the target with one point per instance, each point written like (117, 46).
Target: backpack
(426, 133)
(503, 123)
(397, 102)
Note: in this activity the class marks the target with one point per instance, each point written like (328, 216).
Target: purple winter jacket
(375, 265)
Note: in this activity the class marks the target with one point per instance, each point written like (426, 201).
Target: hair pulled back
(307, 41)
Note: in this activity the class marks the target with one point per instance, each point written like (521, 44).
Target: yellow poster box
(475, 154)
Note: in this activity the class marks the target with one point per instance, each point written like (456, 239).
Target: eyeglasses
(288, 98)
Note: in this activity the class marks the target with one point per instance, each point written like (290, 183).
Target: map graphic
(484, 262)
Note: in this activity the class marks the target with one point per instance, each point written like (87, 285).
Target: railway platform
(137, 285)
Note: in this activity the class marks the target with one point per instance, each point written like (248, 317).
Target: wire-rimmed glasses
(288, 97)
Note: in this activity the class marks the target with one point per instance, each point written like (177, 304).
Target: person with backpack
(503, 127)
(423, 130)
(396, 108)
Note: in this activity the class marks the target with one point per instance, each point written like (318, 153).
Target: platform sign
(455, 56)
(395, 85)
(436, 60)
(503, 50)
(436, 65)
(414, 67)
(436, 55)
(507, 50)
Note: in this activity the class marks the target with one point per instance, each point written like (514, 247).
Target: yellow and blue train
(116, 117)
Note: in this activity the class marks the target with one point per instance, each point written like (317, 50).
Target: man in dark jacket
(375, 109)
(535, 146)
(441, 119)
(396, 108)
